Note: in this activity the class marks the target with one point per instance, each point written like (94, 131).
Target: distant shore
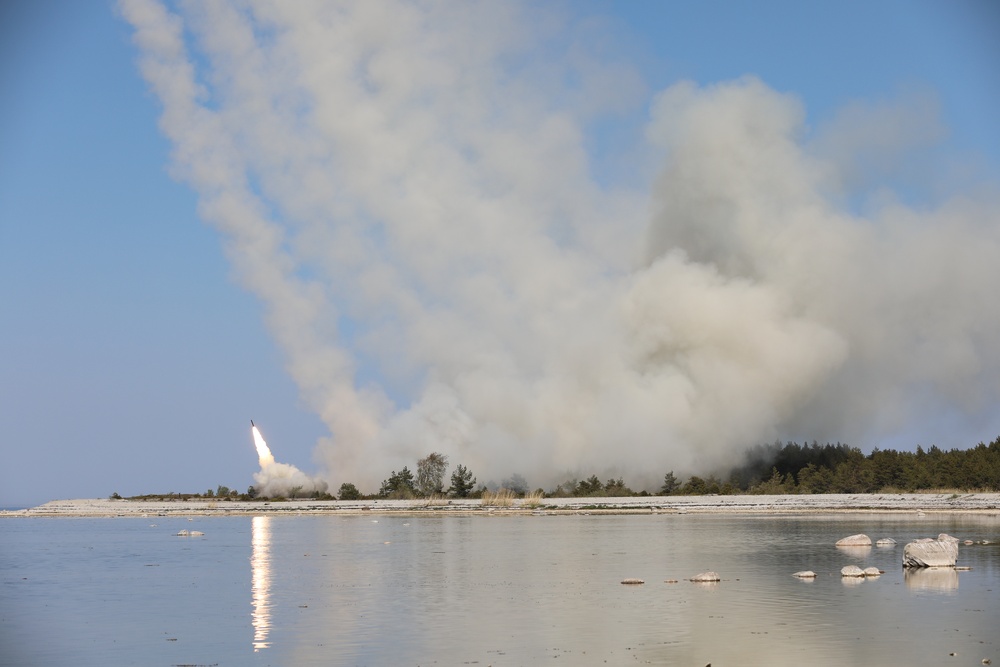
(914, 503)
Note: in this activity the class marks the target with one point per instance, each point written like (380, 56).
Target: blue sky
(133, 355)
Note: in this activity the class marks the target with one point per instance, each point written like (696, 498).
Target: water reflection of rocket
(260, 581)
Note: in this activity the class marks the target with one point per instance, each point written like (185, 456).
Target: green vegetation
(766, 469)
(462, 482)
(794, 468)
(349, 492)
(399, 486)
(670, 484)
(226, 495)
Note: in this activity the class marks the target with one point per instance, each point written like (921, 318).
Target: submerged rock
(632, 582)
(872, 572)
(706, 576)
(805, 574)
(886, 542)
(930, 553)
(852, 571)
(859, 540)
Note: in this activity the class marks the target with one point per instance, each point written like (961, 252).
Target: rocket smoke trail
(281, 479)
(406, 187)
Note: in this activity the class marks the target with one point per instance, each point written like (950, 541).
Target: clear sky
(136, 347)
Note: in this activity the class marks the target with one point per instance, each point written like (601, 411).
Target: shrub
(349, 492)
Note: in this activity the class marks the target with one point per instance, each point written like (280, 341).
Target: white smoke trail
(406, 187)
(282, 480)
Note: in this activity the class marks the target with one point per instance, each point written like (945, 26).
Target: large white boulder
(851, 571)
(859, 540)
(930, 553)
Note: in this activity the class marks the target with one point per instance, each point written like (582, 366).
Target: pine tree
(462, 482)
(670, 484)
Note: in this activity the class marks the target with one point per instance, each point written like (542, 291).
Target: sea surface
(491, 590)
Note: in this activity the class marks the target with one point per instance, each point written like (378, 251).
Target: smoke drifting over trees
(407, 189)
(283, 480)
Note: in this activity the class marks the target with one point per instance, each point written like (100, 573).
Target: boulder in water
(852, 571)
(805, 574)
(706, 576)
(930, 553)
(859, 540)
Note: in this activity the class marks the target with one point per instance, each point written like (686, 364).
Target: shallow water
(520, 590)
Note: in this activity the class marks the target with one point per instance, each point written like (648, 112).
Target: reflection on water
(935, 579)
(855, 551)
(526, 590)
(498, 591)
(260, 573)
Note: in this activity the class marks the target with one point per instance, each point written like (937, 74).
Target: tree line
(766, 469)
(793, 468)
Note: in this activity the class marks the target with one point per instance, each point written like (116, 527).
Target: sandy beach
(988, 503)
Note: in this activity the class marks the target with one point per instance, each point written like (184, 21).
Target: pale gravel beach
(955, 503)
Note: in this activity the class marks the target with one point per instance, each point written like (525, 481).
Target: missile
(251, 422)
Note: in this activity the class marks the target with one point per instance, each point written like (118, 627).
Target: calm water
(531, 590)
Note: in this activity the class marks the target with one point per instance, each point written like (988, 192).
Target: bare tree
(430, 473)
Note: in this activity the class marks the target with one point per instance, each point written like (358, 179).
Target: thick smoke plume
(407, 188)
(282, 480)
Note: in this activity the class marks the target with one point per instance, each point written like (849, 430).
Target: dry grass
(435, 500)
(532, 500)
(933, 492)
(498, 498)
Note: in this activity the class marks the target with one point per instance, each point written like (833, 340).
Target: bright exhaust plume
(263, 452)
(282, 480)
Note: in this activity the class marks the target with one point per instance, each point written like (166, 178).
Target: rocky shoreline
(916, 503)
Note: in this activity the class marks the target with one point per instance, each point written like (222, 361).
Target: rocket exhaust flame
(281, 480)
(263, 452)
